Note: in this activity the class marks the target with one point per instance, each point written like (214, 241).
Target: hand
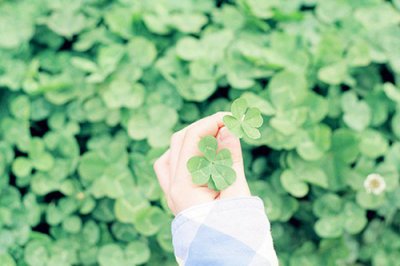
(174, 177)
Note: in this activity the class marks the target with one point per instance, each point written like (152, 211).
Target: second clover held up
(244, 120)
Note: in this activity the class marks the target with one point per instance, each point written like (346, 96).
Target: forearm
(224, 232)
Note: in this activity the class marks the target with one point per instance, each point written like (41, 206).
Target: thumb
(226, 140)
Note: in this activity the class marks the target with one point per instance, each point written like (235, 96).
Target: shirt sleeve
(228, 232)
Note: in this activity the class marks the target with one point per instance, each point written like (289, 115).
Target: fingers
(204, 127)
(226, 140)
(209, 125)
(162, 169)
(177, 141)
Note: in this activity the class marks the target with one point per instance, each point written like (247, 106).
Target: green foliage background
(91, 90)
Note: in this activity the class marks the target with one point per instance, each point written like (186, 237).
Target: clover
(214, 168)
(244, 120)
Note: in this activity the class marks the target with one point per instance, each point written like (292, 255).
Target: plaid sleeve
(231, 232)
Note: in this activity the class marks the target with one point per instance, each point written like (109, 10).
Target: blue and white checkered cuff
(232, 232)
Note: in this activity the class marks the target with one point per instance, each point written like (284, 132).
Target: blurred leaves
(91, 92)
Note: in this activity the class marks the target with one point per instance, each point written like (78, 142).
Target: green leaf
(43, 161)
(313, 175)
(359, 54)
(111, 255)
(213, 166)
(150, 220)
(130, 206)
(355, 218)
(332, 11)
(22, 167)
(91, 232)
(357, 113)
(121, 93)
(200, 170)
(261, 9)
(288, 122)
(317, 142)
(17, 27)
(345, 145)
(137, 253)
(36, 252)
(120, 21)
(21, 107)
(7, 260)
(208, 146)
(329, 227)
(72, 224)
(327, 205)
(142, 52)
(155, 124)
(369, 201)
(188, 22)
(84, 64)
(387, 15)
(392, 92)
(287, 89)
(91, 166)
(164, 238)
(244, 120)
(293, 185)
(66, 23)
(189, 48)
(259, 102)
(195, 90)
(373, 144)
(334, 74)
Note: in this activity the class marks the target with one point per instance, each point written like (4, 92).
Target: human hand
(174, 177)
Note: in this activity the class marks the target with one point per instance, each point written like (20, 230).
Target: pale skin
(174, 177)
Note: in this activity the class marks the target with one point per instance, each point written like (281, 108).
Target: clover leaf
(337, 217)
(121, 93)
(111, 254)
(137, 252)
(128, 208)
(17, 27)
(154, 124)
(150, 220)
(66, 23)
(244, 120)
(214, 168)
(7, 260)
(357, 113)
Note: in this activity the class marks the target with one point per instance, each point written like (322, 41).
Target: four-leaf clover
(214, 168)
(244, 120)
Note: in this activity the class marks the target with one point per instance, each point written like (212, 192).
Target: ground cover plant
(91, 91)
